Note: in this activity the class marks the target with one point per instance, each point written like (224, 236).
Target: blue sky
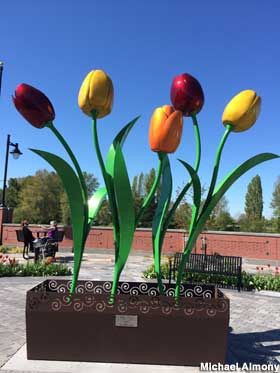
(227, 46)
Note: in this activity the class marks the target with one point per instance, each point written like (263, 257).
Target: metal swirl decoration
(80, 289)
(199, 304)
(56, 305)
(194, 298)
(189, 293)
(188, 310)
(143, 287)
(100, 306)
(33, 303)
(78, 306)
(134, 291)
(211, 310)
(89, 300)
(89, 286)
(166, 308)
(125, 287)
(133, 301)
(198, 290)
(152, 292)
(122, 307)
(53, 285)
(66, 300)
(144, 307)
(155, 302)
(222, 305)
(207, 294)
(98, 289)
(170, 292)
(107, 286)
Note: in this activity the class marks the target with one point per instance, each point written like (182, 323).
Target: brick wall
(247, 245)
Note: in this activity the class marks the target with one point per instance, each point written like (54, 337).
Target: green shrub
(4, 249)
(34, 269)
(10, 250)
(15, 250)
(249, 281)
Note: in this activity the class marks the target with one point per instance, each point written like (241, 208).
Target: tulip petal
(173, 127)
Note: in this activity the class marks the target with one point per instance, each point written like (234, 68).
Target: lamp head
(16, 153)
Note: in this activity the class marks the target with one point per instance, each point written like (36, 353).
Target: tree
(39, 198)
(275, 202)
(141, 186)
(254, 206)
(136, 188)
(254, 199)
(12, 193)
(220, 219)
(104, 216)
(149, 213)
(182, 216)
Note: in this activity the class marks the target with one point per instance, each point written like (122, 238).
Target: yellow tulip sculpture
(242, 111)
(96, 93)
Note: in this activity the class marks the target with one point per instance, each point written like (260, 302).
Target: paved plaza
(254, 320)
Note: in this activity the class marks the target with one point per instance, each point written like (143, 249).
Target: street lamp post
(16, 153)
(1, 72)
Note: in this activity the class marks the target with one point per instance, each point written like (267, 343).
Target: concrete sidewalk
(254, 322)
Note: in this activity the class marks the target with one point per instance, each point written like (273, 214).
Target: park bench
(210, 264)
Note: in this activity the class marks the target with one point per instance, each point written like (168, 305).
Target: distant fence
(247, 245)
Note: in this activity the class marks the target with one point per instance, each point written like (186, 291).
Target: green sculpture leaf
(126, 213)
(226, 183)
(74, 193)
(122, 135)
(195, 182)
(110, 165)
(219, 191)
(158, 220)
(95, 202)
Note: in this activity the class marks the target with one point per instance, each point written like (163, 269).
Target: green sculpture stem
(188, 185)
(217, 165)
(198, 222)
(158, 234)
(152, 191)
(106, 180)
(51, 126)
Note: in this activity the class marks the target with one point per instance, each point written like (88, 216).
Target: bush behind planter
(249, 281)
(34, 269)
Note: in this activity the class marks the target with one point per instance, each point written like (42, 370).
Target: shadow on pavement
(65, 259)
(255, 347)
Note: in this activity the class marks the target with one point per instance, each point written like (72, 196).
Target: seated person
(27, 234)
(51, 231)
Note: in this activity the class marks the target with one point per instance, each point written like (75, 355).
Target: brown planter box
(141, 326)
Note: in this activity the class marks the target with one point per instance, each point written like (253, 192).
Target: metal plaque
(128, 321)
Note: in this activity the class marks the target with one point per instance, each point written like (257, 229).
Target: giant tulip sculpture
(95, 100)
